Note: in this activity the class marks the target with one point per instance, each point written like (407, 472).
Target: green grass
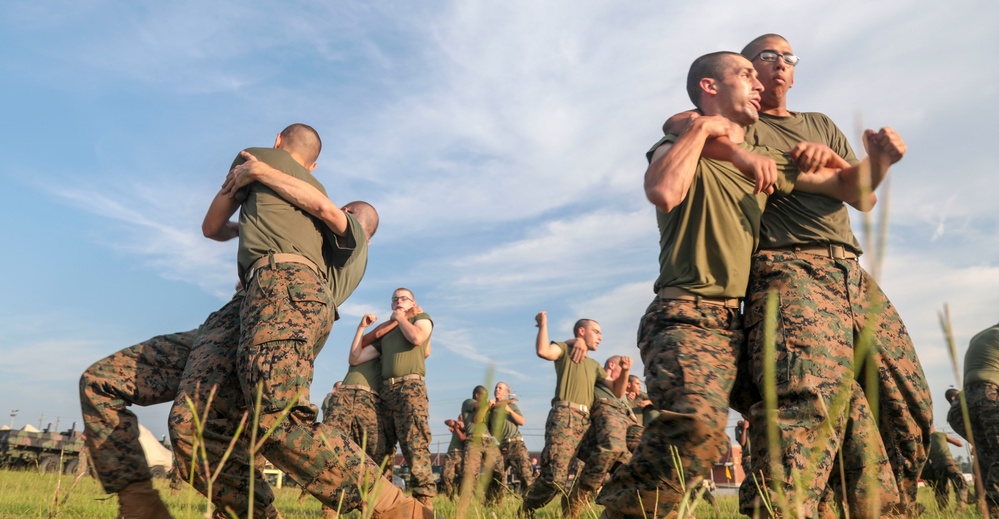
(26, 495)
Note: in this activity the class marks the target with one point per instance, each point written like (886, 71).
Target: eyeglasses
(771, 56)
(401, 298)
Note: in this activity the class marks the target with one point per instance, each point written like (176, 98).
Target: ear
(312, 167)
(708, 85)
(278, 140)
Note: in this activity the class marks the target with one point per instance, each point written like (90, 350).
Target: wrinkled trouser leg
(564, 429)
(144, 374)
(690, 352)
(821, 407)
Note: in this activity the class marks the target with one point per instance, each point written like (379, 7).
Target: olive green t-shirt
(707, 241)
(268, 223)
(939, 451)
(468, 415)
(506, 430)
(347, 261)
(456, 443)
(981, 362)
(574, 382)
(799, 217)
(365, 374)
(401, 357)
(638, 410)
(600, 390)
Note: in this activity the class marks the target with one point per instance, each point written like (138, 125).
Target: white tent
(156, 454)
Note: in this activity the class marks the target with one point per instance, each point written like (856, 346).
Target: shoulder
(420, 317)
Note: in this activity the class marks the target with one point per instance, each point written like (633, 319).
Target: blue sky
(503, 144)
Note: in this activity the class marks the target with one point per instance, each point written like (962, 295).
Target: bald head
(760, 43)
(365, 214)
(302, 141)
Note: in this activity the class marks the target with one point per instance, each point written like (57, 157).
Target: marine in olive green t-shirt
(401, 357)
(269, 223)
(981, 362)
(368, 374)
(707, 242)
(575, 381)
(803, 218)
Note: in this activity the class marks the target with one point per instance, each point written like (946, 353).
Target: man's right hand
(367, 320)
(762, 170)
(541, 319)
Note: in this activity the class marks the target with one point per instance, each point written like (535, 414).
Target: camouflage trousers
(354, 411)
(144, 374)
(983, 407)
(955, 419)
(564, 429)
(690, 351)
(940, 474)
(604, 446)
(280, 327)
(515, 457)
(451, 471)
(823, 306)
(406, 421)
(482, 456)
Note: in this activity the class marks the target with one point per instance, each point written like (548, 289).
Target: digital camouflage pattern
(905, 411)
(515, 457)
(690, 352)
(451, 471)
(483, 456)
(955, 418)
(354, 411)
(210, 374)
(285, 318)
(406, 420)
(821, 407)
(144, 374)
(983, 407)
(564, 429)
(942, 472)
(604, 446)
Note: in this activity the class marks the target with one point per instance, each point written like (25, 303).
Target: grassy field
(30, 495)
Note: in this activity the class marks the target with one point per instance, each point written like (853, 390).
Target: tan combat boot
(140, 500)
(393, 504)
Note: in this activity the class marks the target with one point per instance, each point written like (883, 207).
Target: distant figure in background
(941, 471)
(605, 445)
(329, 396)
(981, 391)
(641, 408)
(955, 418)
(481, 454)
(453, 463)
(569, 417)
(506, 424)
(742, 437)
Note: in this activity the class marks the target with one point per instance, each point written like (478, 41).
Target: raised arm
(217, 225)
(954, 441)
(672, 166)
(295, 191)
(621, 382)
(543, 347)
(361, 352)
(416, 333)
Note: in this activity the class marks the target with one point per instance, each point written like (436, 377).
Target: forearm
(668, 178)
(413, 333)
(216, 224)
(619, 384)
(304, 196)
(542, 343)
(380, 331)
